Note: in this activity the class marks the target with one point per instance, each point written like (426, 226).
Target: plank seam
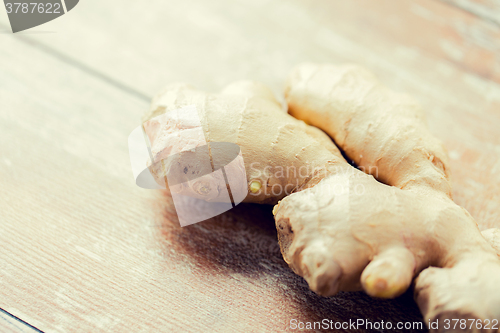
(472, 12)
(20, 320)
(81, 66)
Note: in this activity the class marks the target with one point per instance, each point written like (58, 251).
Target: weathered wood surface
(84, 249)
(9, 324)
(488, 10)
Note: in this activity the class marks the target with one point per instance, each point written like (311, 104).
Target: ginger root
(380, 130)
(339, 227)
(246, 113)
(384, 133)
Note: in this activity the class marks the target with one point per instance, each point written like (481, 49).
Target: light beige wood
(443, 56)
(8, 324)
(85, 250)
(488, 10)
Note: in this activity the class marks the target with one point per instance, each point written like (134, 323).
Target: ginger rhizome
(338, 227)
(383, 131)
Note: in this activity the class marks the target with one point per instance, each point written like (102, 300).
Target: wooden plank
(76, 227)
(10, 324)
(137, 45)
(444, 57)
(488, 10)
(85, 250)
(432, 27)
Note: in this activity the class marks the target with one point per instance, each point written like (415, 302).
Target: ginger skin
(339, 228)
(247, 114)
(380, 130)
(384, 131)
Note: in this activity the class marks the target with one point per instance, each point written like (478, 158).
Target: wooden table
(82, 249)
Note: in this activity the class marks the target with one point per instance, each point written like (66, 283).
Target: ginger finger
(385, 134)
(282, 155)
(279, 155)
(337, 220)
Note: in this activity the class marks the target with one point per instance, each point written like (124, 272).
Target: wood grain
(87, 250)
(9, 324)
(84, 249)
(139, 47)
(441, 55)
(488, 10)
